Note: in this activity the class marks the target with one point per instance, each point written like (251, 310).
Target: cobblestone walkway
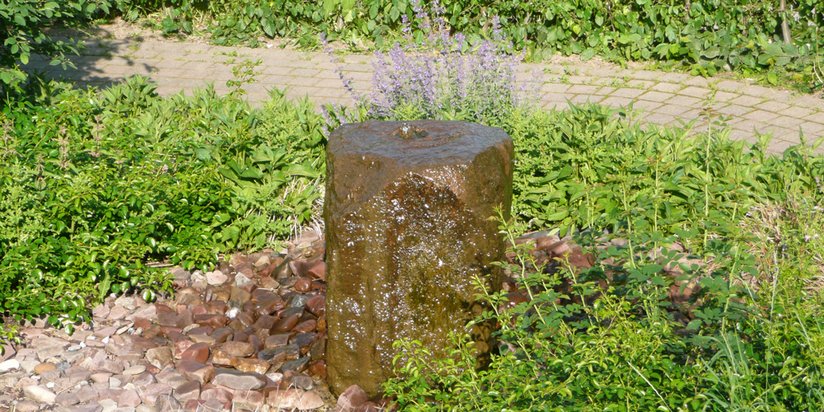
(659, 97)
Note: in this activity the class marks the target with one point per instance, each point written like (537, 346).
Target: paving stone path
(115, 52)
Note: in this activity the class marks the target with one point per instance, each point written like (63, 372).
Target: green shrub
(96, 184)
(585, 169)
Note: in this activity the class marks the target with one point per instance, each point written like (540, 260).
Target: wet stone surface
(407, 213)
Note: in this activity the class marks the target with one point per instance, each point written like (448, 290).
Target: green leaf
(373, 10)
(329, 6)
(268, 27)
(629, 38)
(302, 170)
(557, 216)
(252, 173)
(651, 269)
(6, 76)
(576, 28)
(203, 154)
(347, 6)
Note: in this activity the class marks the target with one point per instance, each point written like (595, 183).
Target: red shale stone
(166, 316)
(316, 305)
(264, 322)
(198, 352)
(180, 347)
(187, 391)
(286, 324)
(318, 270)
(252, 365)
(223, 334)
(196, 371)
(221, 395)
(317, 369)
(303, 285)
(221, 358)
(215, 321)
(275, 341)
(351, 399)
(305, 326)
(238, 381)
(252, 400)
(238, 349)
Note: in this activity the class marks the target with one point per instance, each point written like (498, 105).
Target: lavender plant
(442, 75)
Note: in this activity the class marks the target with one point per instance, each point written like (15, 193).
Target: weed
(244, 73)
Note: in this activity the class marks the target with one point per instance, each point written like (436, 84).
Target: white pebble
(9, 365)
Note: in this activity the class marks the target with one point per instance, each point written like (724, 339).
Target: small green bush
(95, 184)
(586, 169)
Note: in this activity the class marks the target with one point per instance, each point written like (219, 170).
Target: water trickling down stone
(407, 218)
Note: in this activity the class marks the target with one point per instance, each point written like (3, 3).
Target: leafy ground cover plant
(96, 184)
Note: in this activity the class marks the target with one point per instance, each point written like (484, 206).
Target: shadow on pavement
(98, 60)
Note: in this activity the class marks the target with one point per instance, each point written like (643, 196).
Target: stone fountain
(408, 228)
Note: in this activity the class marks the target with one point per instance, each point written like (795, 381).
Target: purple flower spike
(445, 77)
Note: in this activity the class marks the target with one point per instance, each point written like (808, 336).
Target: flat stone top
(416, 142)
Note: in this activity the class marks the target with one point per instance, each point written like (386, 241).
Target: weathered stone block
(407, 212)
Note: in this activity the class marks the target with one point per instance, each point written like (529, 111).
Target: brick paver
(658, 97)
